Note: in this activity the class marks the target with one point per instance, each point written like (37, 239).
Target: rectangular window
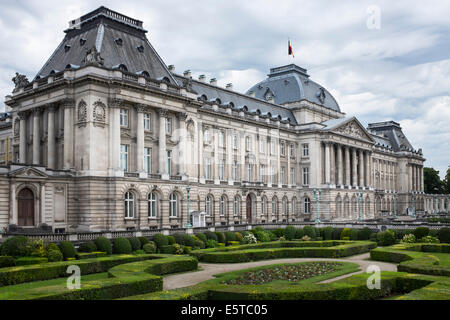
(2, 146)
(283, 149)
(221, 139)
(235, 142)
(305, 150)
(235, 170)
(207, 168)
(305, 176)
(262, 169)
(292, 176)
(291, 150)
(148, 160)
(124, 157)
(206, 136)
(124, 118)
(272, 147)
(221, 169)
(169, 162)
(248, 144)
(147, 124)
(272, 174)
(249, 172)
(169, 125)
(282, 176)
(261, 145)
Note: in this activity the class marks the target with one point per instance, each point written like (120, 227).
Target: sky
(382, 60)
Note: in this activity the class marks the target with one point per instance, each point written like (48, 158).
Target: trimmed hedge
(230, 236)
(103, 244)
(160, 240)
(6, 261)
(90, 255)
(23, 261)
(135, 244)
(143, 241)
(149, 247)
(280, 250)
(220, 237)
(201, 236)
(444, 235)
(210, 235)
(15, 247)
(171, 240)
(89, 246)
(55, 255)
(122, 245)
(67, 249)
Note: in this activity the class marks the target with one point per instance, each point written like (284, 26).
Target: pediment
(354, 129)
(28, 172)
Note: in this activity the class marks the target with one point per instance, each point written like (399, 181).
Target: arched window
(236, 206)
(274, 205)
(338, 211)
(285, 206)
(223, 205)
(209, 205)
(129, 205)
(173, 205)
(152, 205)
(294, 205)
(307, 205)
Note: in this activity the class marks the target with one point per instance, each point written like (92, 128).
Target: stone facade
(103, 147)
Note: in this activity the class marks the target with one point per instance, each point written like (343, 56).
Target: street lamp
(359, 195)
(395, 205)
(188, 224)
(317, 196)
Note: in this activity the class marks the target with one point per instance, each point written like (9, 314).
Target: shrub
(306, 238)
(122, 245)
(211, 243)
(87, 247)
(354, 234)
(149, 247)
(51, 246)
(262, 236)
(364, 233)
(143, 240)
(282, 239)
(220, 237)
(201, 236)
(408, 238)
(23, 261)
(386, 238)
(103, 245)
(187, 249)
(299, 233)
(6, 261)
(135, 244)
(15, 247)
(199, 243)
(178, 249)
(272, 236)
(328, 233)
(230, 236)
(346, 238)
(233, 243)
(35, 248)
(171, 240)
(373, 237)
(421, 232)
(336, 235)
(160, 240)
(90, 255)
(188, 240)
(310, 232)
(67, 249)
(249, 238)
(279, 232)
(444, 235)
(346, 232)
(210, 235)
(54, 256)
(289, 233)
(429, 239)
(239, 236)
(178, 238)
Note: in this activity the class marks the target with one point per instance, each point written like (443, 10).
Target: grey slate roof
(391, 134)
(101, 28)
(239, 100)
(291, 83)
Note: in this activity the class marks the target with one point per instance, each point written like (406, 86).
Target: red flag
(290, 51)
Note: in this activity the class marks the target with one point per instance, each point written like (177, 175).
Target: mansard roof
(291, 83)
(238, 100)
(390, 133)
(120, 40)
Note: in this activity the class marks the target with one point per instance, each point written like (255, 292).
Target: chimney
(187, 73)
(213, 81)
(202, 78)
(229, 86)
(172, 68)
(251, 94)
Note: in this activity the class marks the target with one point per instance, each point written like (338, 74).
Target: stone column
(421, 179)
(183, 161)
(361, 168)
(367, 171)
(114, 140)
(327, 163)
(354, 168)
(340, 168)
(23, 137)
(68, 105)
(279, 162)
(201, 170)
(243, 175)
(162, 145)
(347, 166)
(410, 179)
(332, 165)
(417, 179)
(140, 108)
(36, 135)
(215, 174)
(288, 169)
(229, 164)
(51, 143)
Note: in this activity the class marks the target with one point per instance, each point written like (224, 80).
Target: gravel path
(210, 269)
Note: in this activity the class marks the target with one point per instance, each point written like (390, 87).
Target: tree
(432, 182)
(447, 181)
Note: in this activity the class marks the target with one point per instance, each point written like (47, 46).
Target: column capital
(67, 103)
(23, 114)
(116, 102)
(182, 116)
(37, 110)
(141, 108)
(163, 113)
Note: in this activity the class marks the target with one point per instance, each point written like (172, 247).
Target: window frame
(129, 203)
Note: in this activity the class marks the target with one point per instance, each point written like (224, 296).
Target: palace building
(107, 137)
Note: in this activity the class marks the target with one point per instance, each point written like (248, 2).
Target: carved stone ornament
(93, 57)
(352, 129)
(82, 111)
(17, 127)
(99, 112)
(20, 82)
(321, 95)
(116, 103)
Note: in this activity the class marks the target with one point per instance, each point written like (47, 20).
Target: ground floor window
(129, 205)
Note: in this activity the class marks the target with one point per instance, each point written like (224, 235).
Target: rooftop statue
(93, 57)
(20, 81)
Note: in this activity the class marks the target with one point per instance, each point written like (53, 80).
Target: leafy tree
(447, 181)
(432, 182)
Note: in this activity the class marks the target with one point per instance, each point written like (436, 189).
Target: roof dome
(291, 83)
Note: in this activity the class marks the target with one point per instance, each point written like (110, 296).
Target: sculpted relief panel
(352, 129)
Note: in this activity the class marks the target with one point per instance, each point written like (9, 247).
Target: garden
(135, 268)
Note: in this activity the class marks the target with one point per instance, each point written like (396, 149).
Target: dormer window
(67, 48)
(140, 48)
(118, 41)
(82, 42)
